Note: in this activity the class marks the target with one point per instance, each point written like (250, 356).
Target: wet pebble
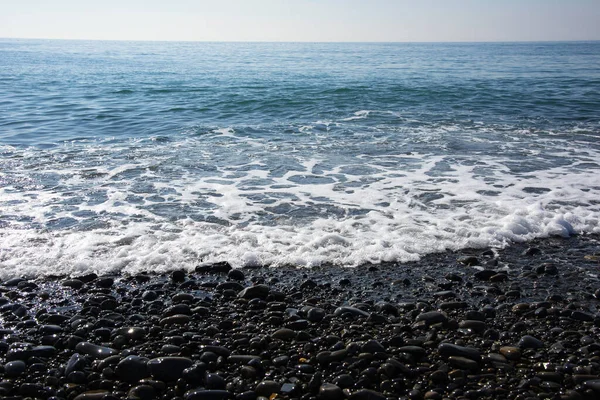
(267, 388)
(530, 342)
(168, 368)
(94, 350)
(132, 369)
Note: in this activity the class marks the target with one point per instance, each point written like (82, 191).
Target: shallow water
(125, 156)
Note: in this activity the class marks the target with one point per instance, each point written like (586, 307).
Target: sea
(123, 157)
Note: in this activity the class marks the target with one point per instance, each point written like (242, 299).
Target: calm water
(152, 156)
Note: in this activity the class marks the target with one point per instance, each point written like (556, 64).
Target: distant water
(125, 156)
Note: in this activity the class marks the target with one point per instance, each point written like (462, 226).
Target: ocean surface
(138, 156)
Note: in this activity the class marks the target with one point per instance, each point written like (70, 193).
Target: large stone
(329, 391)
(179, 319)
(463, 363)
(529, 342)
(75, 363)
(256, 291)
(372, 346)
(353, 311)
(13, 369)
(267, 388)
(168, 368)
(511, 353)
(95, 351)
(432, 317)
(449, 350)
(132, 369)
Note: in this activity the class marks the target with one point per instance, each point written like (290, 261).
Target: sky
(303, 20)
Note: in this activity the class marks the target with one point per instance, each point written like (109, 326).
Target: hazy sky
(302, 20)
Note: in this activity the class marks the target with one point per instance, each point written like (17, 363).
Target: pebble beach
(515, 323)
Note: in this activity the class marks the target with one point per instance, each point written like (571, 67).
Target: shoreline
(519, 322)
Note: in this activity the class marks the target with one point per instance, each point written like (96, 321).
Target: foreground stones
(438, 329)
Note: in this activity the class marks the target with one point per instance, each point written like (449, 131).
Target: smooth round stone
(248, 372)
(372, 346)
(352, 311)
(344, 381)
(468, 260)
(416, 351)
(218, 350)
(529, 342)
(149, 295)
(42, 351)
(73, 283)
(181, 297)
(267, 388)
(439, 377)
(236, 275)
(168, 368)
(75, 363)
(284, 334)
(432, 317)
(329, 391)
(179, 319)
(550, 376)
(484, 275)
(170, 349)
(214, 382)
(13, 282)
(500, 277)
(18, 351)
(338, 355)
(449, 349)
(30, 390)
(208, 357)
(324, 357)
(315, 314)
(142, 392)
(463, 363)
(133, 332)
(511, 353)
(256, 291)
(182, 309)
(473, 325)
(77, 377)
(280, 361)
(288, 388)
(12, 369)
(593, 384)
(132, 369)
(178, 276)
(297, 325)
(201, 394)
(582, 316)
(95, 351)
(49, 329)
(105, 282)
(496, 358)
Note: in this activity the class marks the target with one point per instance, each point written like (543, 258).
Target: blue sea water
(131, 156)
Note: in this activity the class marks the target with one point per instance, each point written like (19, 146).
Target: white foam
(177, 205)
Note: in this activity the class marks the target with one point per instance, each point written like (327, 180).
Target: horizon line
(305, 41)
